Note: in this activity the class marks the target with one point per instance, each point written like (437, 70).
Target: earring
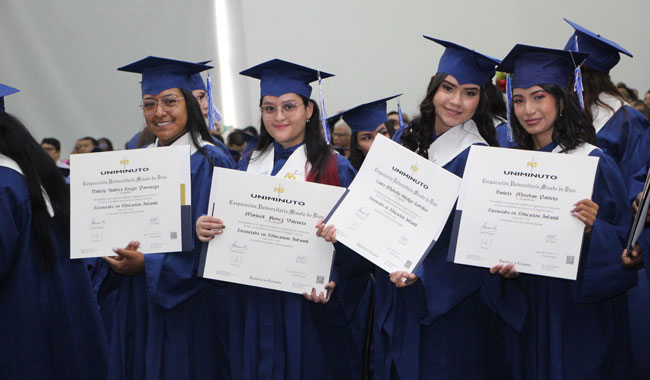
(308, 120)
(560, 112)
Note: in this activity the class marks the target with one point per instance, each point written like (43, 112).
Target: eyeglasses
(167, 103)
(288, 109)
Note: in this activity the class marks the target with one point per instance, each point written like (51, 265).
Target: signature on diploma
(239, 248)
(488, 229)
(97, 236)
(97, 222)
(154, 220)
(362, 213)
(301, 259)
(236, 261)
(403, 240)
(486, 243)
(551, 238)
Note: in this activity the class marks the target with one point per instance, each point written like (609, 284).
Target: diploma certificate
(140, 194)
(515, 207)
(396, 207)
(640, 217)
(270, 236)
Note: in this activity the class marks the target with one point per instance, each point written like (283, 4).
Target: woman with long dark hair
(573, 329)
(163, 322)
(49, 324)
(431, 324)
(366, 122)
(282, 335)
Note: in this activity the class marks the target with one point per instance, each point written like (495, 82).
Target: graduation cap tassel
(214, 116)
(509, 106)
(577, 86)
(323, 113)
(399, 114)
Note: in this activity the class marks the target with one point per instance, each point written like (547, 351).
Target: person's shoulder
(218, 156)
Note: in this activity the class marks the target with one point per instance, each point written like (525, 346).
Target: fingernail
(115, 250)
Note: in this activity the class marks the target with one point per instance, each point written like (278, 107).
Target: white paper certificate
(140, 194)
(270, 237)
(514, 207)
(396, 207)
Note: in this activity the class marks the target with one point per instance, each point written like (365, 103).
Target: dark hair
(92, 140)
(318, 152)
(146, 138)
(405, 117)
(40, 173)
(251, 131)
(594, 83)
(391, 126)
(52, 141)
(498, 106)
(420, 131)
(628, 90)
(195, 126)
(356, 155)
(571, 129)
(109, 144)
(236, 137)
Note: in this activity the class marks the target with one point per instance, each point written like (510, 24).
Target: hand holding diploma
(128, 261)
(633, 259)
(586, 211)
(207, 227)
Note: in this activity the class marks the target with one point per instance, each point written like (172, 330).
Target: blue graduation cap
(532, 65)
(278, 77)
(466, 65)
(197, 81)
(603, 53)
(368, 116)
(4, 91)
(159, 74)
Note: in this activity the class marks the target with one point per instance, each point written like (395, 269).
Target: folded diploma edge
(345, 194)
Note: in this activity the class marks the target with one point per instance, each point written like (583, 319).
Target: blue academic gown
(578, 329)
(167, 323)
(50, 326)
(625, 138)
(279, 335)
(436, 328)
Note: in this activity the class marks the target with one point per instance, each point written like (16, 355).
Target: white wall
(63, 54)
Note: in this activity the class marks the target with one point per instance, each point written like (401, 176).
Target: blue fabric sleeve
(601, 275)
(172, 277)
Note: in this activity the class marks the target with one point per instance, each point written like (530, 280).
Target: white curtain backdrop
(63, 54)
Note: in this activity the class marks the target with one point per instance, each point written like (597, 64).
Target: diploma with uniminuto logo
(140, 194)
(396, 207)
(515, 207)
(270, 236)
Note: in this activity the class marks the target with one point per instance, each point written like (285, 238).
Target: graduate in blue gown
(278, 335)
(366, 121)
(165, 322)
(573, 329)
(621, 133)
(50, 327)
(431, 324)
(620, 128)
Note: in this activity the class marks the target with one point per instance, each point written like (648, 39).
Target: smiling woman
(547, 118)
(154, 306)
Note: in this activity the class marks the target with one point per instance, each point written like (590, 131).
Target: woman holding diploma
(574, 329)
(49, 324)
(429, 324)
(164, 321)
(282, 335)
